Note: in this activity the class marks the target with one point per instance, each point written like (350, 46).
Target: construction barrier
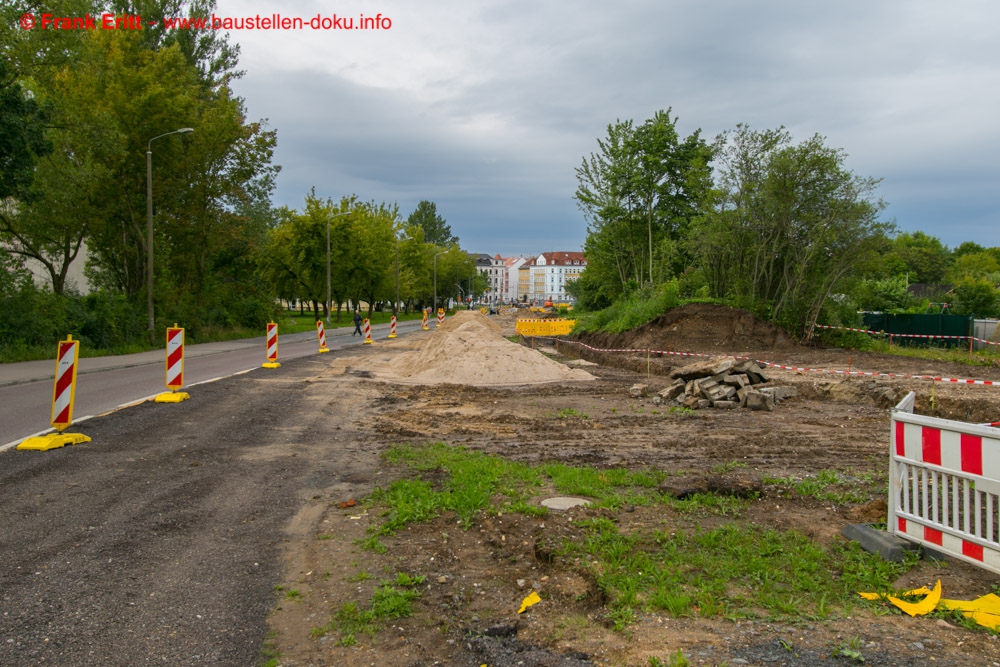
(368, 332)
(759, 362)
(553, 327)
(440, 316)
(321, 334)
(272, 346)
(63, 397)
(392, 327)
(903, 335)
(174, 373)
(423, 324)
(944, 485)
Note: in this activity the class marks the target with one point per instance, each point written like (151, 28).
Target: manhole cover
(564, 503)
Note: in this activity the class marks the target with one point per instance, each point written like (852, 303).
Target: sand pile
(469, 349)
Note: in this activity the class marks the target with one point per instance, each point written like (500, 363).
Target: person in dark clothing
(357, 324)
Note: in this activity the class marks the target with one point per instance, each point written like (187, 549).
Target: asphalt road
(160, 542)
(106, 383)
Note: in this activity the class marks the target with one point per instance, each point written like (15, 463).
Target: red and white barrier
(392, 327)
(440, 316)
(944, 485)
(368, 332)
(759, 362)
(174, 373)
(321, 334)
(272, 346)
(901, 335)
(63, 397)
(423, 324)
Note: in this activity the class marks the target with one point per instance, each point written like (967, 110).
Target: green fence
(922, 325)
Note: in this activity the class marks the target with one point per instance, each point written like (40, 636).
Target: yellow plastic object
(44, 443)
(925, 606)
(557, 327)
(989, 603)
(172, 397)
(532, 599)
(323, 349)
(271, 364)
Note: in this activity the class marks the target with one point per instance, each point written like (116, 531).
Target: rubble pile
(721, 383)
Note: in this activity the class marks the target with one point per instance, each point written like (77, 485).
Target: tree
(927, 260)
(791, 222)
(639, 194)
(436, 231)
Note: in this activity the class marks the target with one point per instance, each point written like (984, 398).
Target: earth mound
(470, 350)
(700, 327)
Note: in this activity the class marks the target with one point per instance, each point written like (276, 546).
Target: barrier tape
(900, 335)
(907, 376)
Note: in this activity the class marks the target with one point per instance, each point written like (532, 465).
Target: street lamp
(395, 305)
(329, 304)
(149, 222)
(436, 278)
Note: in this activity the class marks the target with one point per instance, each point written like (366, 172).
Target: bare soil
(476, 578)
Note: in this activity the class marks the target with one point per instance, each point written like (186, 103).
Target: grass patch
(390, 599)
(731, 571)
(829, 486)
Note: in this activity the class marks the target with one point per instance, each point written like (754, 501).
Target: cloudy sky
(486, 107)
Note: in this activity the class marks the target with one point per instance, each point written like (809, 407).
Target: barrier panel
(271, 341)
(944, 485)
(321, 335)
(553, 327)
(174, 373)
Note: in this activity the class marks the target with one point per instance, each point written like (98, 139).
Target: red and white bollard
(321, 334)
(174, 375)
(368, 332)
(392, 327)
(423, 324)
(272, 347)
(63, 396)
(440, 316)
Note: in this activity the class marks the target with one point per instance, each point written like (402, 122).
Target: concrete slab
(875, 541)
(562, 503)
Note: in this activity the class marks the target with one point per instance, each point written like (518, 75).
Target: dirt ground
(476, 578)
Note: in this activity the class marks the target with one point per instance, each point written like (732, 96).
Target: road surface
(106, 383)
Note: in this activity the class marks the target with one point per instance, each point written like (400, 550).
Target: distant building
(494, 270)
(552, 270)
(512, 267)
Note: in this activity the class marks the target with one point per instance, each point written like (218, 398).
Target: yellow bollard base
(391, 336)
(271, 364)
(172, 397)
(368, 341)
(323, 349)
(425, 328)
(44, 443)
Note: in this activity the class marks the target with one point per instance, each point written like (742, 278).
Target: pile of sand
(470, 350)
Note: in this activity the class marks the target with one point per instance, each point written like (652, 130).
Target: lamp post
(149, 222)
(329, 305)
(395, 305)
(436, 279)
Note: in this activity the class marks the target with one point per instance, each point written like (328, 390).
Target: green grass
(390, 599)
(830, 486)
(569, 413)
(731, 570)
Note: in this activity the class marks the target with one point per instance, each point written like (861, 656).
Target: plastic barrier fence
(900, 335)
(554, 327)
(944, 485)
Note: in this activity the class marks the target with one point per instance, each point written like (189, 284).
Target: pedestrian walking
(357, 323)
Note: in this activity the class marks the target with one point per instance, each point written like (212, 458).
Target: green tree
(927, 260)
(791, 224)
(639, 194)
(436, 230)
(975, 297)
